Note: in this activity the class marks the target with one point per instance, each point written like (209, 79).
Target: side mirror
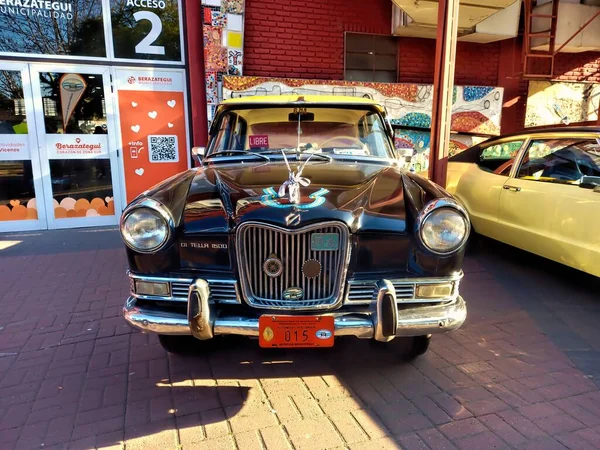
(589, 182)
(198, 153)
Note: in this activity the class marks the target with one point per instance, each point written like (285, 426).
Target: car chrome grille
(259, 242)
(180, 289)
(364, 291)
(223, 291)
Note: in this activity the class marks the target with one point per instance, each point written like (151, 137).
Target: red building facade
(305, 39)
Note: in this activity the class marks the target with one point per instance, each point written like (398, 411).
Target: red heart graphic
(78, 140)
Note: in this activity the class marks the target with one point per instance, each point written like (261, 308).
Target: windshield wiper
(237, 152)
(292, 151)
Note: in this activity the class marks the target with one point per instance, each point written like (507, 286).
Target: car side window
(223, 133)
(563, 161)
(499, 158)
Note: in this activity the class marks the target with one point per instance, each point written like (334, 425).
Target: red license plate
(296, 331)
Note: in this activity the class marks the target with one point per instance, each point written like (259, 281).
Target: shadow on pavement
(59, 241)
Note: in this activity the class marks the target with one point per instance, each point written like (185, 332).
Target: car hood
(367, 196)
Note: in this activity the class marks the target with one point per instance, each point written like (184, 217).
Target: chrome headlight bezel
(157, 208)
(437, 205)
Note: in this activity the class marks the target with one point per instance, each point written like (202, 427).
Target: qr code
(163, 149)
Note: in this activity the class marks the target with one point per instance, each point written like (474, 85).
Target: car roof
(300, 99)
(541, 131)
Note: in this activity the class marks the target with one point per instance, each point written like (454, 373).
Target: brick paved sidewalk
(520, 374)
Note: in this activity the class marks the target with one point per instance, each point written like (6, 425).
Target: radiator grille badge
(293, 293)
(273, 267)
(311, 268)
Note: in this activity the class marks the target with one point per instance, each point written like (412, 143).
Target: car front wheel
(407, 348)
(418, 346)
(179, 345)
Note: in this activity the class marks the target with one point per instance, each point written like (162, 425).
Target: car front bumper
(383, 322)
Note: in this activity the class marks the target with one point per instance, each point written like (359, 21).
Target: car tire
(418, 347)
(407, 348)
(179, 345)
(474, 242)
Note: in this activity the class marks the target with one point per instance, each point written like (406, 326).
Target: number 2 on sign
(145, 46)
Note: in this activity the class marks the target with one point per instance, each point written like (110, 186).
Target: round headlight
(144, 230)
(444, 230)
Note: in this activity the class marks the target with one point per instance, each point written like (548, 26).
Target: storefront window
(146, 32)
(73, 103)
(80, 171)
(81, 188)
(17, 193)
(53, 28)
(12, 104)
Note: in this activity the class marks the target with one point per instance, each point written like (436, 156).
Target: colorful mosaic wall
(414, 146)
(559, 102)
(475, 109)
(223, 29)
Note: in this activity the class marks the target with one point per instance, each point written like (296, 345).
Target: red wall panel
(305, 38)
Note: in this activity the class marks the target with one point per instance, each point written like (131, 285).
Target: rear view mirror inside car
(304, 117)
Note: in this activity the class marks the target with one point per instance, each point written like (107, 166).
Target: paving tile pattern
(74, 376)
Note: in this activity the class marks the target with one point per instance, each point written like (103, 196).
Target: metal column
(443, 87)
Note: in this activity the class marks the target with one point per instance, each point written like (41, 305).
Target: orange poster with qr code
(153, 127)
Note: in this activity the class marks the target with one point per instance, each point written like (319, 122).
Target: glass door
(78, 151)
(21, 193)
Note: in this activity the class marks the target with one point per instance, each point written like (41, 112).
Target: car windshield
(355, 131)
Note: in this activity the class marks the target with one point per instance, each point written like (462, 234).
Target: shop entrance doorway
(58, 147)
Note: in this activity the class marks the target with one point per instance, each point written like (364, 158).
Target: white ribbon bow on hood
(295, 180)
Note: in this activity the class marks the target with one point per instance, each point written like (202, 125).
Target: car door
(545, 208)
(476, 177)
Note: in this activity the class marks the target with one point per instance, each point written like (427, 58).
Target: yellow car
(538, 191)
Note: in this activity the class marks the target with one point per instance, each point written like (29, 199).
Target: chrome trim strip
(418, 321)
(297, 237)
(159, 279)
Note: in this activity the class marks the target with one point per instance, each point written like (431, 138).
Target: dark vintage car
(299, 227)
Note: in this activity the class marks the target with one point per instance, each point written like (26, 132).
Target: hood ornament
(295, 179)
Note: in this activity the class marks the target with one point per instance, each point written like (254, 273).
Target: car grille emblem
(293, 293)
(273, 267)
(311, 268)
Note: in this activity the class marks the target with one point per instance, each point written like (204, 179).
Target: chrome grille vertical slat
(271, 252)
(287, 257)
(282, 256)
(261, 246)
(303, 237)
(322, 277)
(250, 234)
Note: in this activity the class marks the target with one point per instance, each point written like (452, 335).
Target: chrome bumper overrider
(383, 323)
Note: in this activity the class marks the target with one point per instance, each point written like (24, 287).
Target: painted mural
(559, 102)
(223, 29)
(475, 109)
(413, 146)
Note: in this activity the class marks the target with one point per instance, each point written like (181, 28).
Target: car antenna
(299, 130)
